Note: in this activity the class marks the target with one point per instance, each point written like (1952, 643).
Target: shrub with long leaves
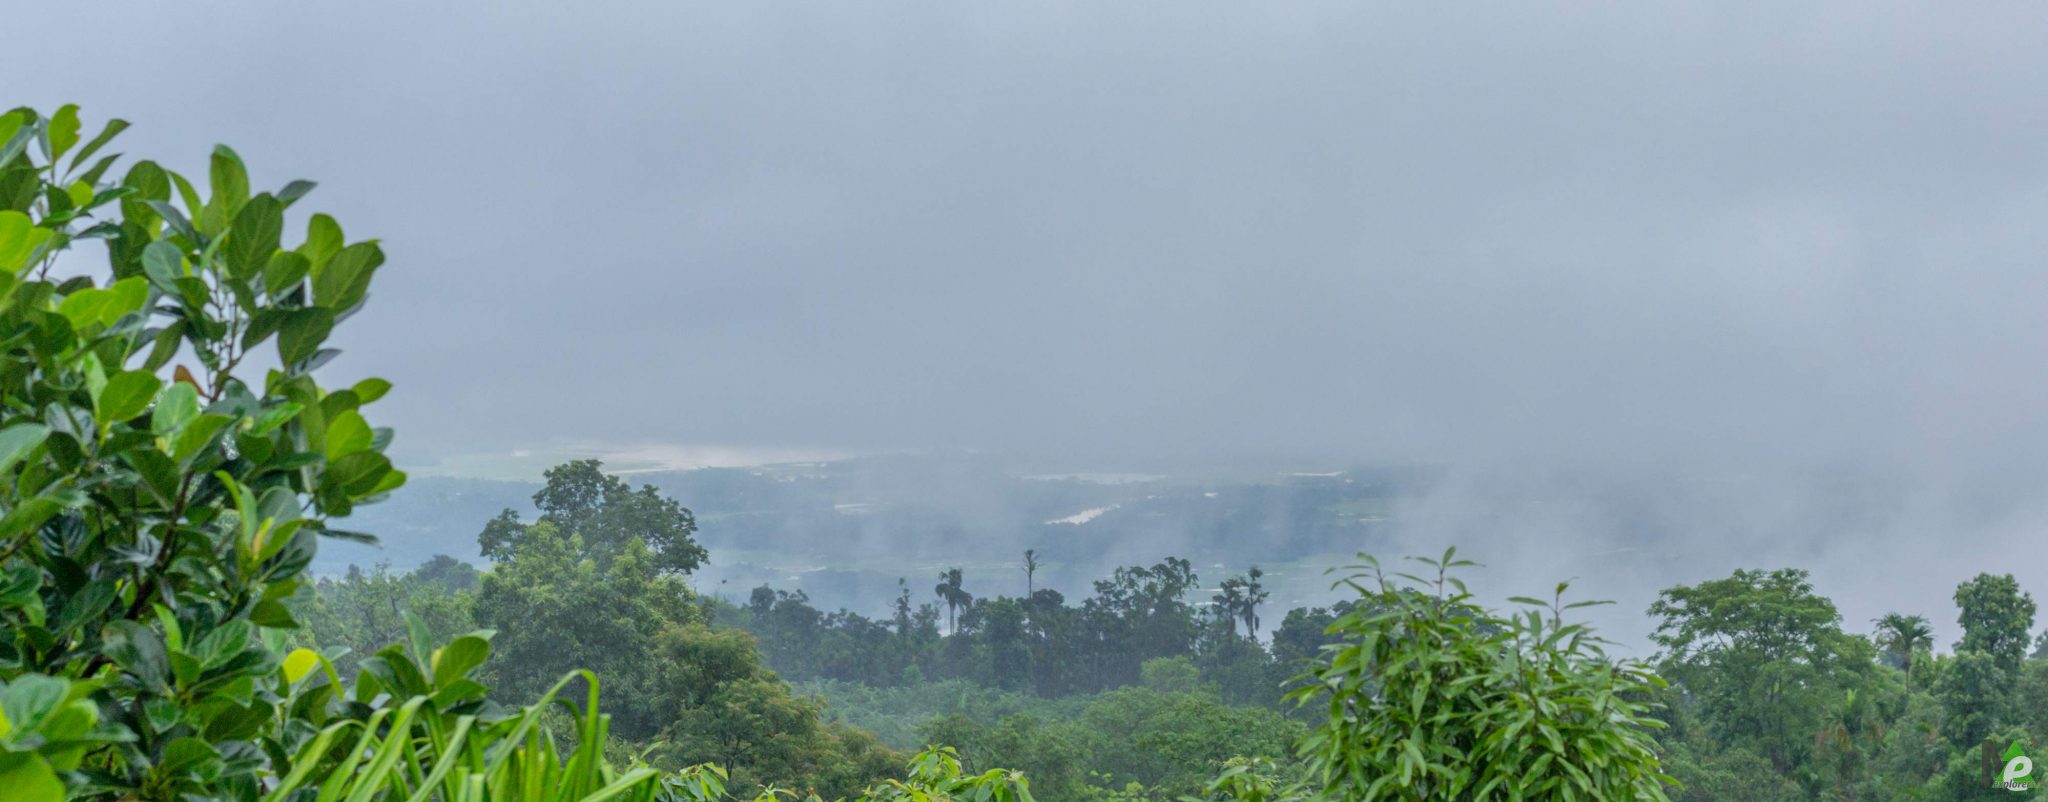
(1431, 697)
(415, 725)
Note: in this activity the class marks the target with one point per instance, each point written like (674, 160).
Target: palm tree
(902, 608)
(1239, 601)
(1230, 603)
(1847, 735)
(1030, 568)
(1254, 595)
(1903, 635)
(952, 594)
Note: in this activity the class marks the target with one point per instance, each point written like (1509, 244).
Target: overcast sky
(1710, 232)
(1760, 247)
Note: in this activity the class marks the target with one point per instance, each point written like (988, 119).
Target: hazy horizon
(1669, 289)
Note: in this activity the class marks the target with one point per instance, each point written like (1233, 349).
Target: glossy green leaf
(302, 333)
(393, 480)
(27, 777)
(341, 282)
(164, 346)
(188, 195)
(63, 130)
(19, 239)
(300, 663)
(284, 272)
(11, 124)
(150, 183)
(83, 307)
(165, 264)
(16, 441)
(197, 435)
(93, 307)
(347, 433)
(358, 473)
(323, 240)
(159, 474)
(254, 236)
(125, 297)
(107, 133)
(126, 395)
(369, 390)
(229, 181)
(294, 191)
(15, 146)
(178, 406)
(461, 656)
(275, 417)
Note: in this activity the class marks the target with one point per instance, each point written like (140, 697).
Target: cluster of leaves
(360, 612)
(1760, 653)
(154, 525)
(415, 723)
(1430, 697)
(1771, 699)
(581, 501)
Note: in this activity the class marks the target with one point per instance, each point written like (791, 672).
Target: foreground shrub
(158, 507)
(1430, 697)
(415, 724)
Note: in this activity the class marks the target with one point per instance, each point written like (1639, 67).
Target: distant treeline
(1041, 644)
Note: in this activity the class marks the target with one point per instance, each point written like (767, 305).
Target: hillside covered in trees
(839, 531)
(1150, 686)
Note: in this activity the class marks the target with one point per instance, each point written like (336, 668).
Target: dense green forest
(1146, 689)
